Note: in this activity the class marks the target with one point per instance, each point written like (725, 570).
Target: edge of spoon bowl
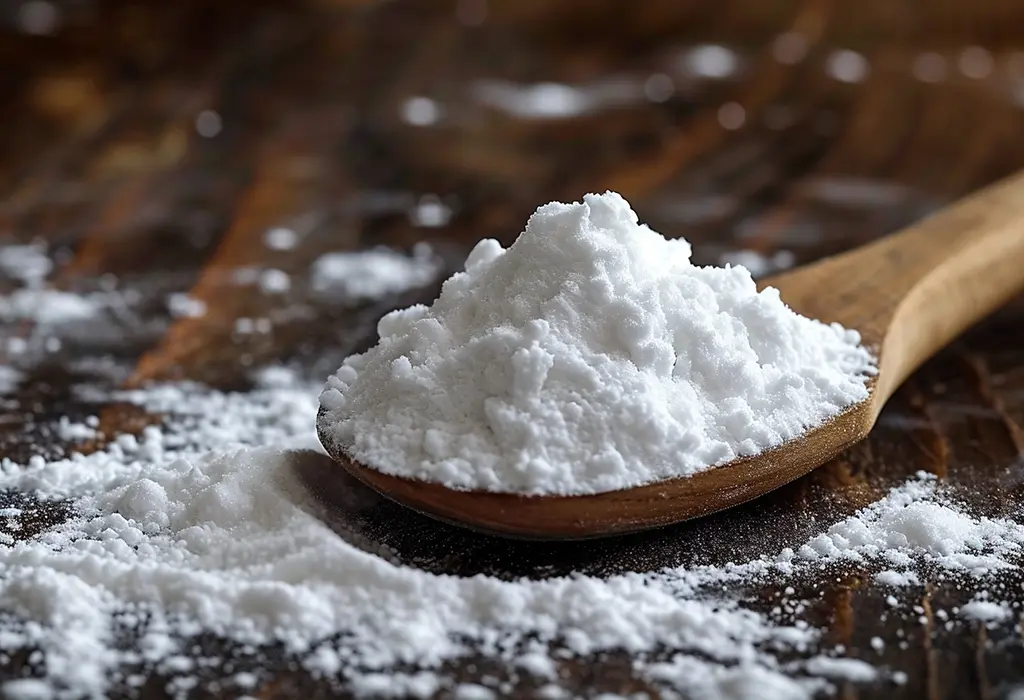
(620, 512)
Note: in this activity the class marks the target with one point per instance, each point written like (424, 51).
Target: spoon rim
(632, 509)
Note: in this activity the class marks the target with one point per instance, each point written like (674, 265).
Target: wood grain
(99, 159)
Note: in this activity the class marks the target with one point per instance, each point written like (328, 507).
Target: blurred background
(165, 136)
(151, 146)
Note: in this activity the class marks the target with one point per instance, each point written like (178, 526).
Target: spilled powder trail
(202, 526)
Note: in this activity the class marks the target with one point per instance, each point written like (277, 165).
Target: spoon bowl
(616, 512)
(908, 294)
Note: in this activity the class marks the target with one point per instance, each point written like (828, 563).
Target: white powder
(842, 669)
(897, 579)
(77, 432)
(916, 522)
(758, 264)
(192, 528)
(26, 689)
(281, 238)
(9, 379)
(28, 264)
(372, 274)
(981, 610)
(589, 356)
(181, 305)
(430, 212)
(48, 306)
(275, 281)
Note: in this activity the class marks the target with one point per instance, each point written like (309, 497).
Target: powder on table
(916, 522)
(181, 305)
(9, 379)
(590, 356)
(758, 264)
(191, 530)
(371, 274)
(842, 669)
(27, 263)
(48, 306)
(981, 610)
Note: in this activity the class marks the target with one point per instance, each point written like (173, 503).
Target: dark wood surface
(100, 157)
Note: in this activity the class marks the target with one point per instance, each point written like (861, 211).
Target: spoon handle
(911, 293)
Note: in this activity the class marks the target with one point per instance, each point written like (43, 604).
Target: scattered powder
(48, 306)
(397, 685)
(10, 378)
(711, 61)
(917, 523)
(26, 689)
(759, 265)
(472, 691)
(281, 238)
(68, 431)
(842, 669)
(981, 610)
(28, 264)
(245, 275)
(203, 526)
(372, 274)
(590, 356)
(897, 578)
(430, 212)
(181, 305)
(191, 528)
(275, 282)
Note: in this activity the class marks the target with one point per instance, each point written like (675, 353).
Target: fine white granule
(758, 264)
(275, 281)
(27, 263)
(204, 526)
(842, 669)
(191, 529)
(915, 522)
(589, 356)
(9, 379)
(48, 306)
(281, 238)
(371, 274)
(981, 610)
(897, 579)
(181, 305)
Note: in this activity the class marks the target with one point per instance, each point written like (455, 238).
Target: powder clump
(589, 356)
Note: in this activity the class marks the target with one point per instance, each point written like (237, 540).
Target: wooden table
(152, 144)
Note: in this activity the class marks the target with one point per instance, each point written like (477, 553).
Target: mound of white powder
(589, 356)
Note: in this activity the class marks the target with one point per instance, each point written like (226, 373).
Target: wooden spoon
(908, 294)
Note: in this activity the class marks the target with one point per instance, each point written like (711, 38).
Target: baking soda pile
(590, 356)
